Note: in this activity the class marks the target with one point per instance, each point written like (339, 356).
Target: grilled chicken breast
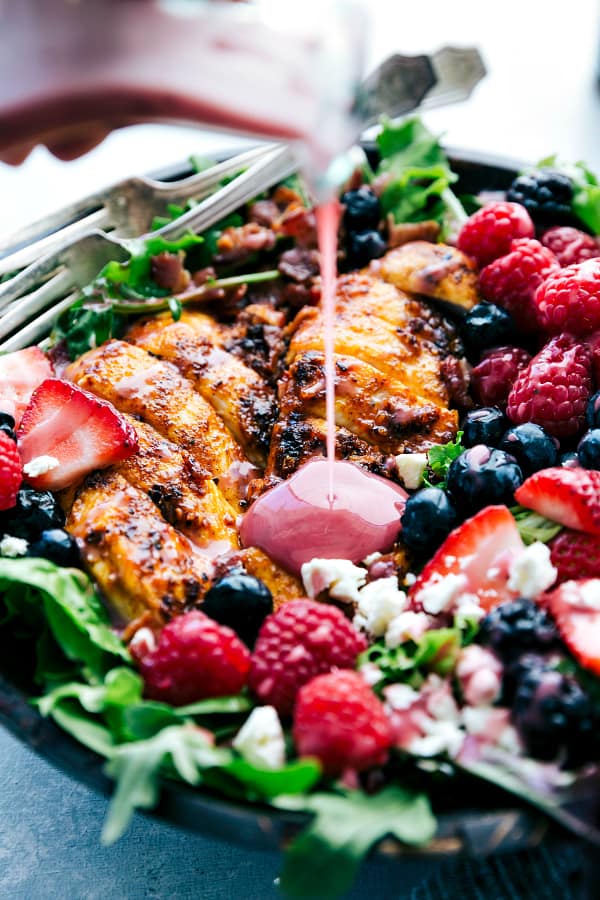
(435, 270)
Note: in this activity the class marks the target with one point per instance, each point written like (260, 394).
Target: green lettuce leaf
(87, 325)
(324, 859)
(436, 651)
(133, 279)
(440, 458)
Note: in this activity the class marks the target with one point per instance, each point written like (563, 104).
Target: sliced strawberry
(568, 496)
(575, 607)
(480, 550)
(76, 428)
(20, 374)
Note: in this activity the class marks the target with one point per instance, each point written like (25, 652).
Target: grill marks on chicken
(144, 566)
(238, 394)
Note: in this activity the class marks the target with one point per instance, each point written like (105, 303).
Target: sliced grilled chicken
(154, 391)
(435, 270)
(282, 585)
(239, 395)
(142, 564)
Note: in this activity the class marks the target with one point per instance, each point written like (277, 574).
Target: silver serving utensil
(30, 302)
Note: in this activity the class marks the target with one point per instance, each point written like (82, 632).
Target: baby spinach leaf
(436, 651)
(439, 459)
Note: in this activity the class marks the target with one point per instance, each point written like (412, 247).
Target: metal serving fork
(127, 209)
(31, 301)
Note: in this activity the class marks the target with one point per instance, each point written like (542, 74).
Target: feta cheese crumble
(531, 572)
(411, 468)
(260, 740)
(408, 626)
(338, 576)
(441, 595)
(12, 547)
(379, 602)
(39, 465)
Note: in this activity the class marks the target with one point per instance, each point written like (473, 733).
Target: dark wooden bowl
(477, 828)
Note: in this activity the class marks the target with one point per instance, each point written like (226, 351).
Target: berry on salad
(485, 425)
(554, 389)
(429, 516)
(575, 607)
(588, 449)
(570, 245)
(20, 373)
(194, 658)
(300, 640)
(512, 280)
(546, 195)
(569, 299)
(33, 512)
(569, 460)
(592, 413)
(339, 720)
(75, 429)
(481, 476)
(7, 425)
(517, 627)
(568, 496)
(240, 601)
(363, 246)
(531, 447)
(56, 545)
(11, 472)
(486, 325)
(490, 231)
(493, 377)
(575, 555)
(362, 209)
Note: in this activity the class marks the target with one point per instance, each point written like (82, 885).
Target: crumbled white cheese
(379, 602)
(589, 594)
(410, 579)
(411, 468)
(441, 595)
(371, 673)
(468, 609)
(401, 696)
(531, 572)
(371, 558)
(39, 465)
(441, 736)
(13, 546)
(338, 576)
(408, 625)
(260, 740)
(143, 641)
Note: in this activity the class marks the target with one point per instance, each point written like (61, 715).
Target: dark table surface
(50, 850)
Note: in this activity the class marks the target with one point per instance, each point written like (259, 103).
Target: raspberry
(569, 299)
(512, 280)
(339, 720)
(575, 555)
(545, 194)
(489, 232)
(554, 389)
(194, 658)
(495, 374)
(11, 471)
(570, 245)
(302, 639)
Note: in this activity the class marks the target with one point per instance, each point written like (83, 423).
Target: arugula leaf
(86, 325)
(76, 617)
(435, 651)
(440, 458)
(533, 527)
(324, 859)
(586, 190)
(133, 278)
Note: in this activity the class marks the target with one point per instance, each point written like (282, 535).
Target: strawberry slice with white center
(568, 496)
(473, 560)
(575, 607)
(74, 431)
(20, 373)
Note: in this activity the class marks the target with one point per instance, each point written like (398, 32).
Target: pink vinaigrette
(329, 508)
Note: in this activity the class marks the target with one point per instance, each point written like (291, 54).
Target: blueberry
(485, 425)
(428, 517)
(362, 209)
(34, 512)
(569, 460)
(481, 476)
(531, 446)
(56, 545)
(485, 326)
(240, 601)
(363, 246)
(588, 449)
(7, 425)
(592, 415)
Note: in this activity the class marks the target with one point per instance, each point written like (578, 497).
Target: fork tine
(29, 279)
(38, 329)
(29, 305)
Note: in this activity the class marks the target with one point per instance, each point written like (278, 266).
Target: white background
(541, 96)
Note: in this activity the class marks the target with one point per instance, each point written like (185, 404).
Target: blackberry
(556, 718)
(546, 195)
(520, 626)
(240, 601)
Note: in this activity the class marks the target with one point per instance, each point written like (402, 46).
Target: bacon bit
(299, 223)
(299, 264)
(264, 212)
(203, 275)
(405, 232)
(168, 272)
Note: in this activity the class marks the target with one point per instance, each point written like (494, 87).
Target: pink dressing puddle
(328, 508)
